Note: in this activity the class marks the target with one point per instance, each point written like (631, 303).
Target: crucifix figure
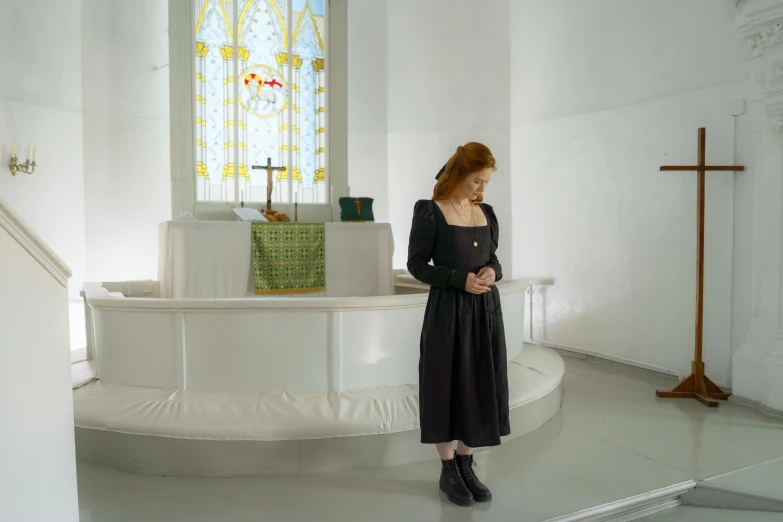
(358, 205)
(698, 386)
(269, 169)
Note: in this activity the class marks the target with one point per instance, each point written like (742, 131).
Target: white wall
(84, 90)
(38, 471)
(40, 103)
(603, 93)
(437, 80)
(127, 182)
(368, 142)
(79, 84)
(572, 58)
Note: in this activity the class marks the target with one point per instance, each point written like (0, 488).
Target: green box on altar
(356, 210)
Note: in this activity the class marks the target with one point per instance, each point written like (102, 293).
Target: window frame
(182, 25)
(212, 206)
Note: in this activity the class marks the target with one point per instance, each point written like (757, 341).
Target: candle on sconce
(242, 196)
(27, 167)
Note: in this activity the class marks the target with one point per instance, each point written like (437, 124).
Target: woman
(463, 384)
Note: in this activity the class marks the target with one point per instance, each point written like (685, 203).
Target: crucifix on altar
(698, 386)
(269, 169)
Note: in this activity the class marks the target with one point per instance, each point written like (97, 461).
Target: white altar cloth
(213, 259)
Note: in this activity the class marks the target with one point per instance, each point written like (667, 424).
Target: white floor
(611, 440)
(765, 478)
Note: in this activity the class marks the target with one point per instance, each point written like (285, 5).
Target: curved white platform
(186, 433)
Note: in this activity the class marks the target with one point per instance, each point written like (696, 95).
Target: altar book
(250, 214)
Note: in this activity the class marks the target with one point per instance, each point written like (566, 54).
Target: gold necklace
(472, 219)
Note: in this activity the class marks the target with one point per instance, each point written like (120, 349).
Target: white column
(202, 175)
(320, 101)
(296, 171)
(244, 172)
(285, 123)
(757, 367)
(229, 134)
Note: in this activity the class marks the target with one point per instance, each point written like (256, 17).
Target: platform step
(686, 498)
(185, 433)
(699, 514)
(631, 508)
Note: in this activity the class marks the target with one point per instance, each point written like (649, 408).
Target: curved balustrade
(272, 344)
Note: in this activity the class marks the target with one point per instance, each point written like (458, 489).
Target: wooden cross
(358, 205)
(698, 386)
(269, 169)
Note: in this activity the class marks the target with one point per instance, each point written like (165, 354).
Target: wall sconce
(28, 167)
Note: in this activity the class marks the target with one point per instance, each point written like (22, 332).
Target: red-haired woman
(463, 382)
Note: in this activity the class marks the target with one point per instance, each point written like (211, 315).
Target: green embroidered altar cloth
(288, 257)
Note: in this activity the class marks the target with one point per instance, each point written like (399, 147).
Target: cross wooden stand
(269, 169)
(698, 386)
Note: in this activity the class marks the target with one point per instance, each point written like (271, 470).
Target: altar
(213, 259)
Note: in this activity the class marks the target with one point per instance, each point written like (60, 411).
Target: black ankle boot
(465, 465)
(452, 484)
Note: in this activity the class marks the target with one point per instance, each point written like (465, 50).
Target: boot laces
(470, 476)
(454, 471)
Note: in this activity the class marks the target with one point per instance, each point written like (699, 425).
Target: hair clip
(441, 172)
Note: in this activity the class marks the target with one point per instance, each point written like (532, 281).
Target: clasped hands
(482, 282)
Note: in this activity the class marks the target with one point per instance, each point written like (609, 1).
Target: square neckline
(443, 216)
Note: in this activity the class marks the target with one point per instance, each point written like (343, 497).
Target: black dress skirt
(463, 373)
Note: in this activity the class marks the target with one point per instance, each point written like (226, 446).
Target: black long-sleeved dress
(463, 374)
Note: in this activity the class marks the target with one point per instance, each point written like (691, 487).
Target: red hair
(468, 159)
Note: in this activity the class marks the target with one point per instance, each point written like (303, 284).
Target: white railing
(30, 241)
(330, 342)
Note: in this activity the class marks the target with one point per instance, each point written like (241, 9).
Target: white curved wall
(604, 93)
(127, 182)
(425, 77)
(81, 84)
(582, 103)
(261, 345)
(40, 103)
(570, 58)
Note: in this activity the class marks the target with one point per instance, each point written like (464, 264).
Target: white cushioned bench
(149, 413)
(287, 415)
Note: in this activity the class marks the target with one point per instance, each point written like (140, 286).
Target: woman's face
(475, 184)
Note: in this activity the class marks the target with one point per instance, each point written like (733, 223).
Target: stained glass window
(260, 94)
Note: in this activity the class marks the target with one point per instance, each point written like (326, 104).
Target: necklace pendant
(475, 244)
